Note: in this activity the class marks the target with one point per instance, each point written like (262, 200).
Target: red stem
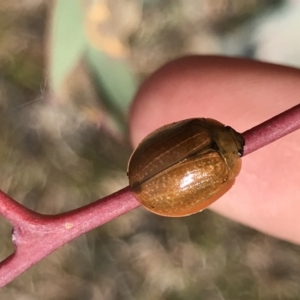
(35, 235)
(272, 129)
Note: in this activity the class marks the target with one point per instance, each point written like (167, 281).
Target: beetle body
(183, 167)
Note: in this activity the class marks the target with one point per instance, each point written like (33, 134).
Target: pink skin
(239, 93)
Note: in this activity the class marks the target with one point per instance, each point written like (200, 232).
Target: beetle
(183, 167)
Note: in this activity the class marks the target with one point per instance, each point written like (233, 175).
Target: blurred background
(68, 72)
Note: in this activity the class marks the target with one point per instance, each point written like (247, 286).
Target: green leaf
(115, 82)
(113, 78)
(68, 40)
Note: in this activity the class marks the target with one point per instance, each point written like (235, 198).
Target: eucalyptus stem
(36, 235)
(272, 129)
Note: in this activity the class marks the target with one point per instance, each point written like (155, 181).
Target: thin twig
(36, 235)
(272, 129)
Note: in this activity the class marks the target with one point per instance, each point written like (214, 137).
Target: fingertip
(238, 92)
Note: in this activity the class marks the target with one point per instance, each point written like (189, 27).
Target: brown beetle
(181, 168)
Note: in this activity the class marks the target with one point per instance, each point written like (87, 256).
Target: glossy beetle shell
(183, 167)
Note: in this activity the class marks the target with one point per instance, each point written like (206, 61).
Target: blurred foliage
(68, 71)
(82, 26)
(67, 33)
